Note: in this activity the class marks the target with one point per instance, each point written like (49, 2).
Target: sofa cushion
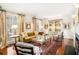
(27, 40)
(27, 37)
(24, 34)
(31, 34)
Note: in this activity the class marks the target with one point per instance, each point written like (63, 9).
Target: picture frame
(50, 23)
(46, 26)
(28, 25)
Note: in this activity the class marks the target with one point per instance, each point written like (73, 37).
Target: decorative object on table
(41, 36)
(40, 33)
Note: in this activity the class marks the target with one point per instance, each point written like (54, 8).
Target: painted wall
(48, 10)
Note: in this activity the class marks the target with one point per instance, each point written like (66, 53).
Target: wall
(46, 22)
(65, 10)
(28, 19)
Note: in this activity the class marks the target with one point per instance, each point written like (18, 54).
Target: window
(11, 19)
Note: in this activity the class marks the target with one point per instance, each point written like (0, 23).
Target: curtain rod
(12, 12)
(36, 18)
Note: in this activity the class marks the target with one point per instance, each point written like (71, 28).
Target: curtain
(33, 24)
(20, 21)
(2, 29)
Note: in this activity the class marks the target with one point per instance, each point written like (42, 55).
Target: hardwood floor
(11, 50)
(3, 51)
(8, 51)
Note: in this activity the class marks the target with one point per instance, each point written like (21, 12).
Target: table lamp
(14, 27)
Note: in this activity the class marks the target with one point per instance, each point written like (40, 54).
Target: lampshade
(14, 26)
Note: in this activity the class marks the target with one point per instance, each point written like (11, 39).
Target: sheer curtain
(11, 21)
(14, 26)
(2, 28)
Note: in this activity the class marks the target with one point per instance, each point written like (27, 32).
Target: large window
(11, 19)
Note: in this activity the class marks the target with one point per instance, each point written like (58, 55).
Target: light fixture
(14, 26)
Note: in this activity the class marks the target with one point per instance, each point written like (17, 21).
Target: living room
(39, 28)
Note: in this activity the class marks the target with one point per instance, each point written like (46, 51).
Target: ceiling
(46, 10)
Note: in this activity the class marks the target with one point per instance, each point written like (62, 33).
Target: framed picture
(46, 26)
(28, 25)
(50, 23)
(65, 26)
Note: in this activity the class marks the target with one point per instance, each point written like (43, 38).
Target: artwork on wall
(28, 25)
(66, 26)
(50, 29)
(50, 23)
(46, 26)
(69, 26)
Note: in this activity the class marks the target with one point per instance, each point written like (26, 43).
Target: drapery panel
(20, 21)
(33, 24)
(2, 28)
